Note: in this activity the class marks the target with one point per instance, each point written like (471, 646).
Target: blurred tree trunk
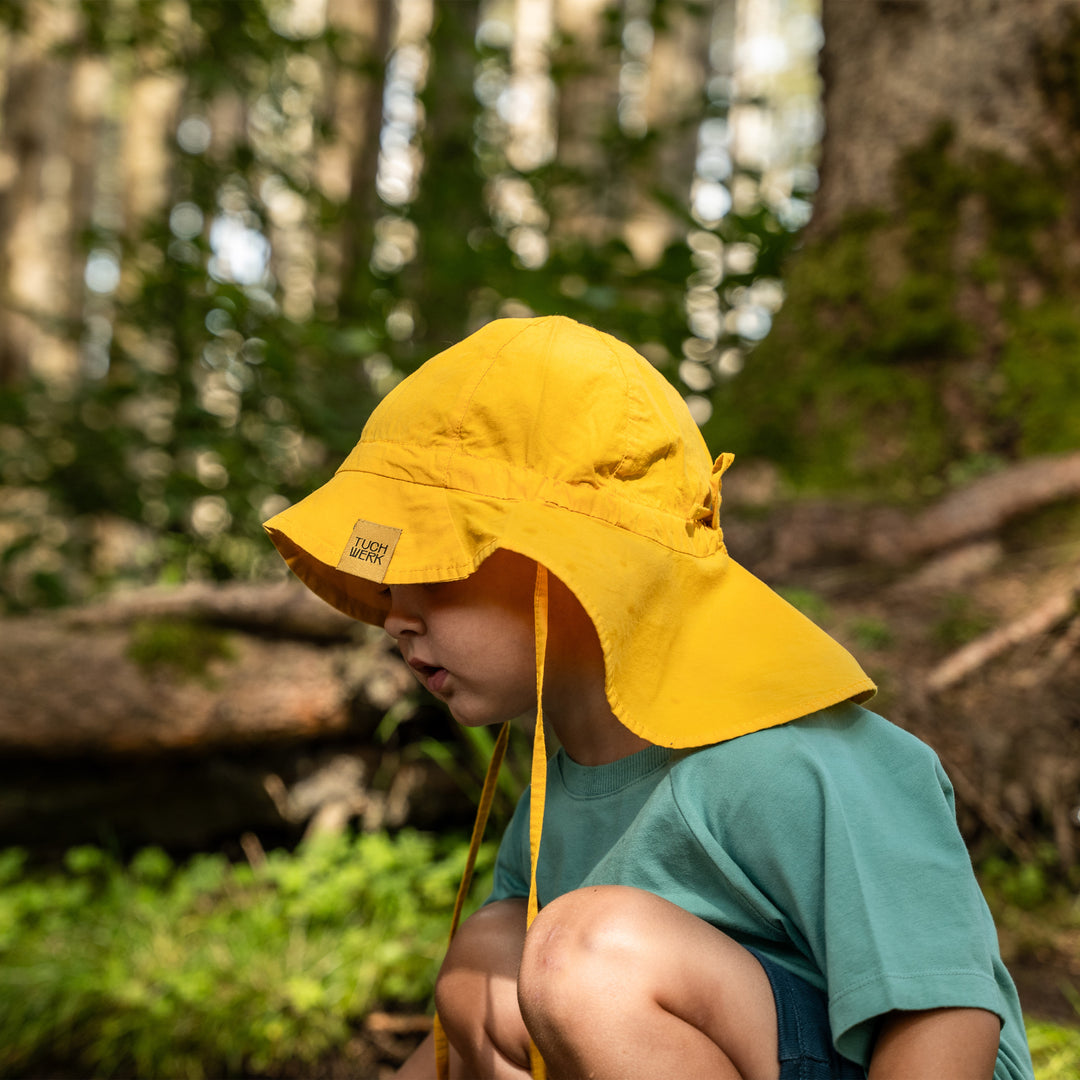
(894, 69)
(355, 100)
(452, 179)
(932, 319)
(46, 135)
(618, 84)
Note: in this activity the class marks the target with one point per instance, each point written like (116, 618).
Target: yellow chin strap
(538, 790)
(536, 817)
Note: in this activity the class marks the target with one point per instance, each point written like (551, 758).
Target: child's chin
(476, 718)
(472, 721)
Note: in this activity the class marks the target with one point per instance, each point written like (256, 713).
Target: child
(743, 873)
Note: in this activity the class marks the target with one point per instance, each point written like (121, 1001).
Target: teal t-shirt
(829, 844)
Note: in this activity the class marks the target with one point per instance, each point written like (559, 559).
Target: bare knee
(476, 990)
(583, 946)
(621, 960)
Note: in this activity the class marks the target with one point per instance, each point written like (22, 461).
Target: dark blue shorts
(806, 1049)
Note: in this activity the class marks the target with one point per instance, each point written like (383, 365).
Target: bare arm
(961, 1044)
(421, 1063)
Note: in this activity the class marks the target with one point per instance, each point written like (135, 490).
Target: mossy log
(78, 685)
(191, 716)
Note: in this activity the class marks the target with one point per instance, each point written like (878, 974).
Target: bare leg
(476, 996)
(618, 984)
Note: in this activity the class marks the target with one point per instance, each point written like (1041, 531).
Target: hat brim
(697, 649)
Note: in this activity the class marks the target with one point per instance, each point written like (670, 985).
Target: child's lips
(432, 675)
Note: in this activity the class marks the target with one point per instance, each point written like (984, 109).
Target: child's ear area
(507, 571)
(569, 620)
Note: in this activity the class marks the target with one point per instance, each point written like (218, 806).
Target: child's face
(471, 642)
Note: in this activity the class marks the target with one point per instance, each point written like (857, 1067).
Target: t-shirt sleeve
(847, 824)
(512, 861)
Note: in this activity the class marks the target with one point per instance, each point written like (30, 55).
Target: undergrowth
(1037, 913)
(208, 968)
(215, 969)
(1055, 1050)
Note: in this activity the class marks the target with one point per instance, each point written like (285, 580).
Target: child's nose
(404, 615)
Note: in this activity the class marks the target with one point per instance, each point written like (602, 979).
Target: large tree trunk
(895, 69)
(932, 320)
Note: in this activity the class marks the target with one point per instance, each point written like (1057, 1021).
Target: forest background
(849, 234)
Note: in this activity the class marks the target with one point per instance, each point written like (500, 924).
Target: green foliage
(182, 645)
(871, 633)
(468, 769)
(810, 603)
(1041, 367)
(1055, 1050)
(212, 969)
(464, 753)
(1026, 886)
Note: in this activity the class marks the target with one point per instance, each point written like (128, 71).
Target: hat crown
(548, 398)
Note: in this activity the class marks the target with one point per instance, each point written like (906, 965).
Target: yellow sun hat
(561, 443)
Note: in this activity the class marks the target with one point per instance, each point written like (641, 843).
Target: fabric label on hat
(369, 550)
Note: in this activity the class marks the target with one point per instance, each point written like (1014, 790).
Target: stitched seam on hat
(653, 507)
(672, 514)
(721, 548)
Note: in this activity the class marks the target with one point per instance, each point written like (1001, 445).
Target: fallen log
(118, 727)
(831, 532)
(70, 689)
(282, 609)
(1040, 620)
(986, 505)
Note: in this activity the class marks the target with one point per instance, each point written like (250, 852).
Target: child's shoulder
(844, 765)
(841, 743)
